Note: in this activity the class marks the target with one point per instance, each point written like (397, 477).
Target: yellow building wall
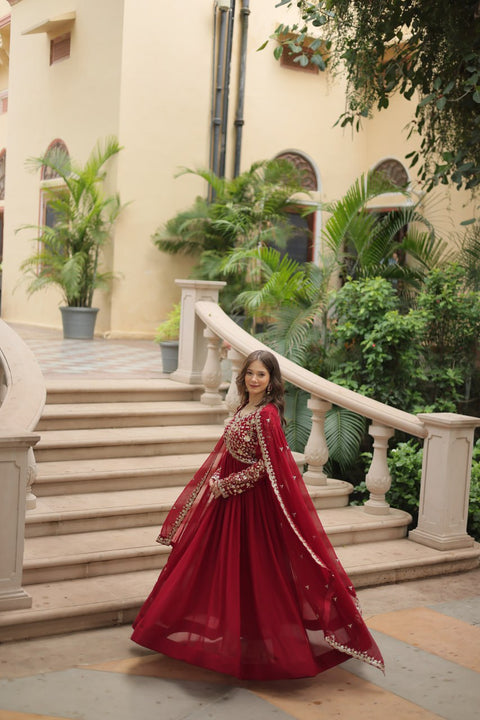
(164, 126)
(76, 100)
(142, 70)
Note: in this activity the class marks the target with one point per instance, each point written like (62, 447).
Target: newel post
(14, 472)
(192, 349)
(445, 488)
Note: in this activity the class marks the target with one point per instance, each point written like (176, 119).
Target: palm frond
(349, 219)
(344, 432)
(299, 418)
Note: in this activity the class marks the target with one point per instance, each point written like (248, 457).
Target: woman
(253, 587)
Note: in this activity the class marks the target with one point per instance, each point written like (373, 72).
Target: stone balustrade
(21, 403)
(448, 438)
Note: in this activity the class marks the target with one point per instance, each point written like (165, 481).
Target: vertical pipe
(226, 90)
(218, 90)
(212, 103)
(239, 120)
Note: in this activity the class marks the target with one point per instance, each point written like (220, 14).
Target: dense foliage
(427, 50)
(248, 210)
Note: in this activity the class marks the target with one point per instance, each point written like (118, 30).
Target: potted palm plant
(167, 334)
(68, 253)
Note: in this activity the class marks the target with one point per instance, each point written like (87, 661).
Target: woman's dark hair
(275, 390)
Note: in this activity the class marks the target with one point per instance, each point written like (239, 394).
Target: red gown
(252, 587)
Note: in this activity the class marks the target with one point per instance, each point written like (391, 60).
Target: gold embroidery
(241, 438)
(181, 515)
(354, 653)
(238, 482)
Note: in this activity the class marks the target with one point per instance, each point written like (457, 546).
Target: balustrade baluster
(232, 398)
(212, 372)
(316, 449)
(378, 478)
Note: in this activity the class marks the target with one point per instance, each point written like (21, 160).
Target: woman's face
(257, 378)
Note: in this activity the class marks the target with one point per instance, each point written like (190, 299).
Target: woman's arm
(238, 482)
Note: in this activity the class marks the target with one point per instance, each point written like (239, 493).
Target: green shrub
(376, 349)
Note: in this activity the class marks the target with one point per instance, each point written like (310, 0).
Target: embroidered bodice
(241, 438)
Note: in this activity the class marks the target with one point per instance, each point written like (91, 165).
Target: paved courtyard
(428, 631)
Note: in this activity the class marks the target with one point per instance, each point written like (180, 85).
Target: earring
(269, 389)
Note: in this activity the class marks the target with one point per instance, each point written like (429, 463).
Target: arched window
(301, 245)
(47, 172)
(309, 176)
(394, 171)
(50, 179)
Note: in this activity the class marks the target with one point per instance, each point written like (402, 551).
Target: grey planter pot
(169, 350)
(78, 322)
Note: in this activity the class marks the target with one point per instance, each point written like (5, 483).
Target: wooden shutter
(60, 48)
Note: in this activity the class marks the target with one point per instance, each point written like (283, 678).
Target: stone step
(127, 473)
(96, 390)
(150, 471)
(57, 445)
(89, 512)
(126, 547)
(104, 601)
(128, 414)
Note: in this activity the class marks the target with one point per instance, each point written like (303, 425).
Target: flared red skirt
(240, 595)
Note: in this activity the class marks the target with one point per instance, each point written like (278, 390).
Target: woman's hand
(214, 488)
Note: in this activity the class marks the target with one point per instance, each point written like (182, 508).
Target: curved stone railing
(22, 398)
(448, 438)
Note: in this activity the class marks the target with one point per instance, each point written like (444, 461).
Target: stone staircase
(112, 458)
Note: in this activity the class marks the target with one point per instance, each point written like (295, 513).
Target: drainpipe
(226, 88)
(239, 121)
(218, 82)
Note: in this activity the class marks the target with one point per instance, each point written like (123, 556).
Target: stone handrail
(448, 438)
(23, 386)
(22, 398)
(214, 318)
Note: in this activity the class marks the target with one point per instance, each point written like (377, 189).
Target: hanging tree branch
(426, 50)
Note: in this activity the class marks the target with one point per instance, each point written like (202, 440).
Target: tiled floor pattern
(98, 357)
(432, 671)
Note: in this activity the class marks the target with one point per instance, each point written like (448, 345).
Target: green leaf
(441, 102)
(427, 99)
(277, 53)
(318, 61)
(301, 60)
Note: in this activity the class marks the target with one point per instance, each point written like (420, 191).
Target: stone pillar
(378, 478)
(445, 488)
(14, 469)
(316, 449)
(192, 347)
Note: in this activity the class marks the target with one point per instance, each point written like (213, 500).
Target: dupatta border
(357, 654)
(273, 481)
(330, 639)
